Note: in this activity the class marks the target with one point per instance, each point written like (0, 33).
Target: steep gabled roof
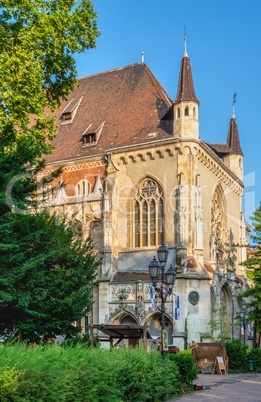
(233, 137)
(219, 149)
(186, 91)
(233, 143)
(128, 102)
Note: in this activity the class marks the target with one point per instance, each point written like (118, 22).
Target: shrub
(52, 374)
(8, 381)
(78, 374)
(255, 355)
(187, 369)
(237, 353)
(83, 340)
(144, 377)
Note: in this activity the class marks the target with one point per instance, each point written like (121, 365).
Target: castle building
(137, 174)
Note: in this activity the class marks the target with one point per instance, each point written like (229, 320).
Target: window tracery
(148, 214)
(96, 234)
(218, 224)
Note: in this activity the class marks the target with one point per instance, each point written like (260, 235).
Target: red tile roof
(131, 276)
(220, 149)
(123, 107)
(129, 102)
(233, 142)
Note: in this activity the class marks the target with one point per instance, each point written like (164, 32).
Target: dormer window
(89, 138)
(70, 110)
(67, 116)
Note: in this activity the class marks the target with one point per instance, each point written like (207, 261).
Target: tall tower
(186, 103)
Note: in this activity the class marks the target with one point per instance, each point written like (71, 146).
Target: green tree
(253, 263)
(46, 273)
(46, 277)
(38, 40)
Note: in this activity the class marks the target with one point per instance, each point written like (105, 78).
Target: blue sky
(224, 47)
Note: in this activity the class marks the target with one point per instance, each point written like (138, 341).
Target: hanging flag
(242, 329)
(153, 299)
(176, 307)
(165, 292)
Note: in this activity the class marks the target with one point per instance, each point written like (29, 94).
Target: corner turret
(234, 159)
(186, 103)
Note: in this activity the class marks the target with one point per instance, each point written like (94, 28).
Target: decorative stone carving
(198, 215)
(181, 258)
(218, 225)
(181, 226)
(123, 292)
(193, 297)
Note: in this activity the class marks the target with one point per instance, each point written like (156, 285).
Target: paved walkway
(230, 387)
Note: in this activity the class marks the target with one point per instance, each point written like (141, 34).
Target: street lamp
(167, 281)
(244, 314)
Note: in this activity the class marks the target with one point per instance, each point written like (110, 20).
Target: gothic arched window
(218, 222)
(96, 235)
(148, 214)
(187, 111)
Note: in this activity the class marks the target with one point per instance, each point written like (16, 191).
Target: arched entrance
(128, 319)
(155, 327)
(226, 316)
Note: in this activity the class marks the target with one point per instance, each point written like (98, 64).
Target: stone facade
(135, 174)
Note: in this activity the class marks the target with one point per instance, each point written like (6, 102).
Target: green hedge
(255, 355)
(187, 369)
(236, 353)
(77, 374)
(239, 356)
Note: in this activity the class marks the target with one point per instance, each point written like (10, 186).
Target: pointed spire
(186, 91)
(97, 193)
(233, 137)
(98, 185)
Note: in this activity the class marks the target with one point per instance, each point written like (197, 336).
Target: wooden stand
(219, 366)
(210, 358)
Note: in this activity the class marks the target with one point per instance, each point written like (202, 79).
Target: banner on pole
(153, 299)
(176, 307)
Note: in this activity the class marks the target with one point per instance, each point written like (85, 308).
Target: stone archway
(126, 318)
(155, 327)
(226, 311)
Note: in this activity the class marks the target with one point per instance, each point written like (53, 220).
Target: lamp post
(244, 314)
(167, 281)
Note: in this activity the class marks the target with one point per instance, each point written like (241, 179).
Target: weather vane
(234, 101)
